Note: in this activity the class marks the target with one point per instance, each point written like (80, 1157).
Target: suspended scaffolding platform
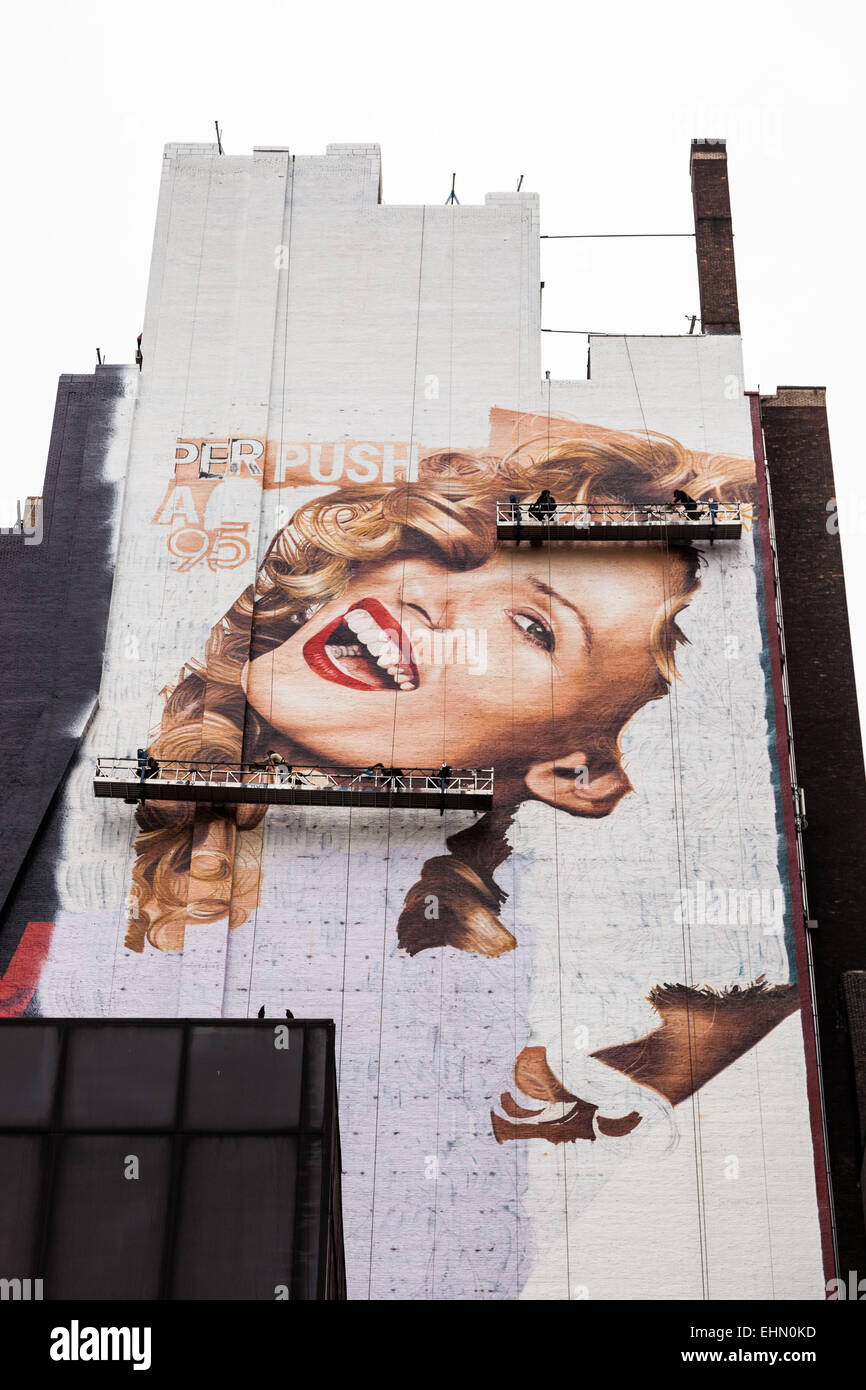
(610, 521)
(417, 788)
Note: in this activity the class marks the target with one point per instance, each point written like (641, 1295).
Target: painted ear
(579, 784)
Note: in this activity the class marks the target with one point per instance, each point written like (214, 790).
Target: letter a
(59, 1350)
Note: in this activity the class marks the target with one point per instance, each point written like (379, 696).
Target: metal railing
(583, 515)
(182, 774)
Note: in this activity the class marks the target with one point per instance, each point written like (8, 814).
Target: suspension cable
(601, 236)
(679, 824)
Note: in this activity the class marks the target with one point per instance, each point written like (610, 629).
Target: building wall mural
(570, 1052)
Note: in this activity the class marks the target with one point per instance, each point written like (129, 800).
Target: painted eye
(534, 630)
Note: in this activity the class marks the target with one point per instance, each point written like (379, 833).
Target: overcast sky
(594, 105)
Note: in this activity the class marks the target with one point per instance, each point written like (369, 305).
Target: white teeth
(367, 631)
(358, 619)
(380, 645)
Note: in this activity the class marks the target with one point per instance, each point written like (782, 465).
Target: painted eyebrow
(545, 589)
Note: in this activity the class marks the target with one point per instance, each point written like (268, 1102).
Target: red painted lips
(364, 649)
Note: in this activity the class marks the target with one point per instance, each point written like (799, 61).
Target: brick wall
(829, 755)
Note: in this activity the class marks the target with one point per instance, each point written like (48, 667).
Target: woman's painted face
(515, 662)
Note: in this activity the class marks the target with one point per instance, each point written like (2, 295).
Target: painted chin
(364, 649)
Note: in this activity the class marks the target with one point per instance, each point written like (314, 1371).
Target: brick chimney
(714, 237)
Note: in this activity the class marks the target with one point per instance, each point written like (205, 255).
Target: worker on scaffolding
(376, 771)
(712, 508)
(514, 517)
(147, 765)
(443, 774)
(544, 506)
(278, 766)
(689, 505)
(543, 509)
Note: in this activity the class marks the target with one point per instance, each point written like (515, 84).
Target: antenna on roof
(694, 319)
(98, 357)
(519, 183)
(452, 196)
(219, 137)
